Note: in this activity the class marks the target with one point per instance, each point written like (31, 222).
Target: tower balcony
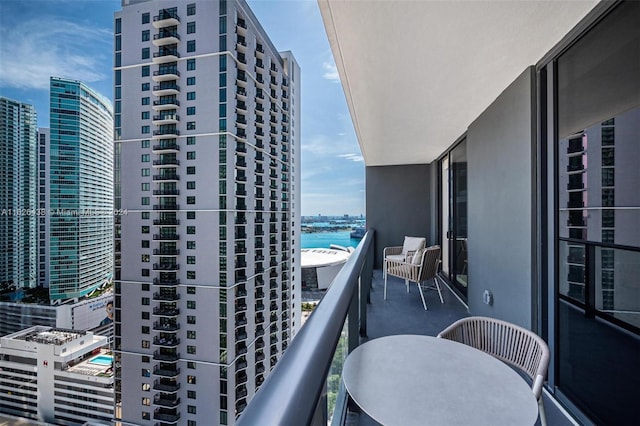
(166, 237)
(166, 19)
(166, 342)
(241, 94)
(166, 162)
(168, 327)
(166, 251)
(166, 312)
(166, 385)
(166, 297)
(165, 103)
(161, 119)
(166, 74)
(166, 37)
(166, 206)
(166, 177)
(165, 192)
(166, 417)
(166, 146)
(168, 356)
(167, 130)
(166, 281)
(165, 55)
(165, 402)
(166, 88)
(166, 267)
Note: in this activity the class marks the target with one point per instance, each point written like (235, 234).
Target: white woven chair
(402, 253)
(512, 344)
(422, 267)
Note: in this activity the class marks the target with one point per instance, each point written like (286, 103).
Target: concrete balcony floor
(403, 313)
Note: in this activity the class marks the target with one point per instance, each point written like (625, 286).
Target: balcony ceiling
(417, 73)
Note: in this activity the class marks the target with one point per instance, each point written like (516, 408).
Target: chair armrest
(392, 250)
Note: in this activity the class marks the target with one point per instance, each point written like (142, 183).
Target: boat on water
(358, 232)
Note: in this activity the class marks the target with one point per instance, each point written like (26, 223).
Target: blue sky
(73, 39)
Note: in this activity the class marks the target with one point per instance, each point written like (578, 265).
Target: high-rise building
(18, 239)
(207, 177)
(80, 190)
(44, 141)
(59, 376)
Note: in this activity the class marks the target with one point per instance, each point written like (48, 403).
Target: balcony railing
(313, 349)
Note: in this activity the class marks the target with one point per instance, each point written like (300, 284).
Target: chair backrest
(413, 244)
(508, 342)
(430, 263)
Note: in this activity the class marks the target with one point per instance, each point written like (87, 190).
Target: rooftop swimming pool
(101, 360)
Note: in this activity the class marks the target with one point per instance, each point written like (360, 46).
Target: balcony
(169, 177)
(167, 130)
(166, 222)
(166, 312)
(166, 162)
(166, 237)
(165, 55)
(401, 313)
(167, 146)
(165, 402)
(166, 281)
(166, 102)
(166, 88)
(163, 372)
(166, 37)
(160, 192)
(166, 19)
(166, 342)
(166, 417)
(166, 326)
(168, 356)
(166, 267)
(168, 207)
(166, 74)
(166, 297)
(162, 119)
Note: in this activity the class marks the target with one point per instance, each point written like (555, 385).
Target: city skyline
(76, 43)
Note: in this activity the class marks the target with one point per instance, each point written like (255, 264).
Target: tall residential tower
(18, 238)
(207, 169)
(80, 243)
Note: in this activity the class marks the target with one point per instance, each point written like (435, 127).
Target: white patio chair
(512, 344)
(402, 253)
(422, 268)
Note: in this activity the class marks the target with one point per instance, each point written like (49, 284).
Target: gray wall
(499, 151)
(399, 203)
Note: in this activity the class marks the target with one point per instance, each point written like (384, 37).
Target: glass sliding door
(453, 168)
(598, 219)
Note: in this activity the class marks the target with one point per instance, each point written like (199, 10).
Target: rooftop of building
(319, 257)
(47, 335)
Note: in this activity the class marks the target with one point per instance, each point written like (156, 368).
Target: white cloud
(330, 72)
(32, 52)
(356, 158)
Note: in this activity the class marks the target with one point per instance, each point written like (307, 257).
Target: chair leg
(422, 296)
(406, 282)
(438, 288)
(543, 416)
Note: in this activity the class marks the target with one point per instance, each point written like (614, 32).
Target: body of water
(325, 239)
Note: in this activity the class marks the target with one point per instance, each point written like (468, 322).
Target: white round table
(410, 380)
